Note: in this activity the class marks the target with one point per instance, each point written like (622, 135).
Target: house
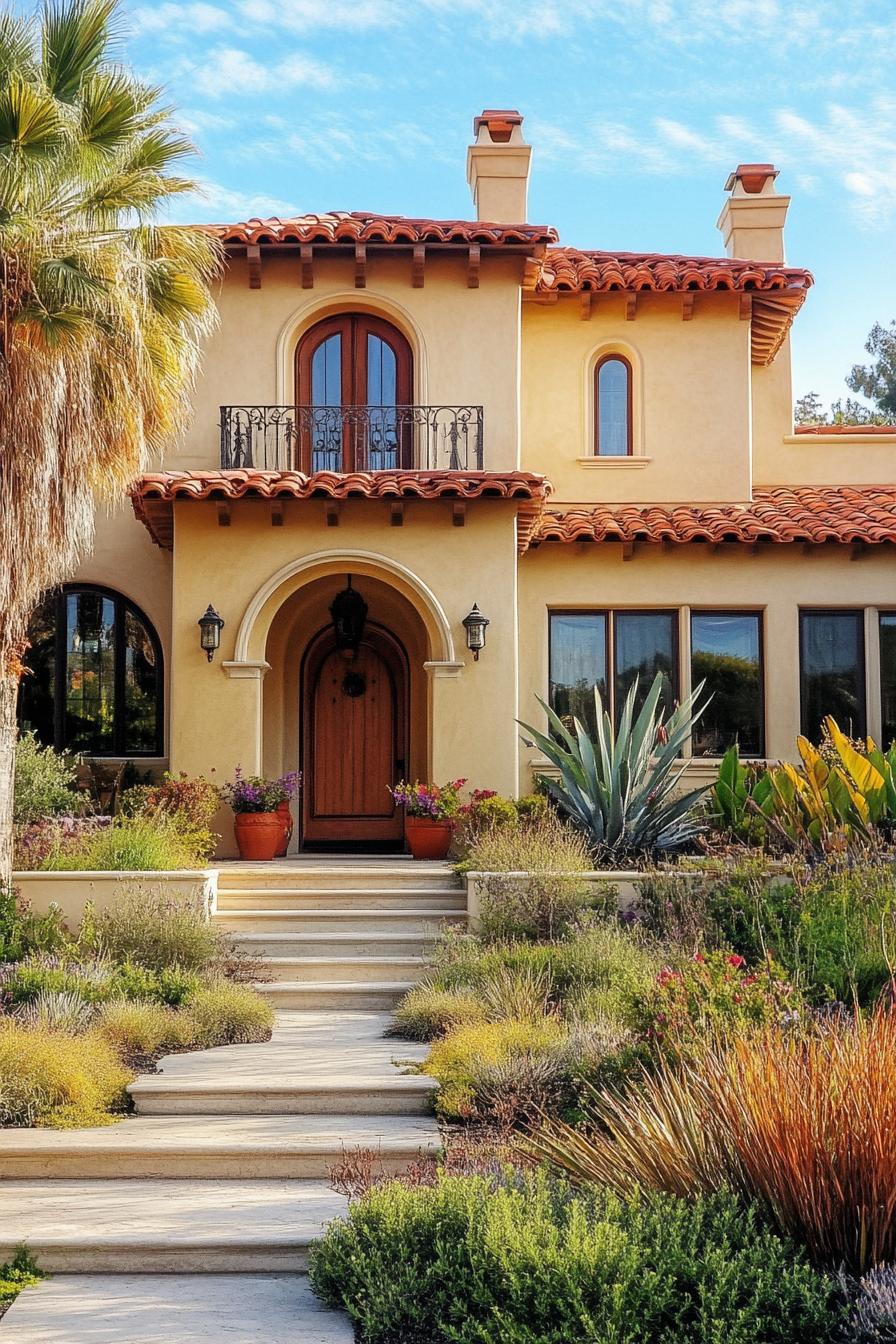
(400, 422)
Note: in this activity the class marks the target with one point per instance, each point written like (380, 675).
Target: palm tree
(102, 310)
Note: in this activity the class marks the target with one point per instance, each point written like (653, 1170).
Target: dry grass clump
(155, 931)
(803, 1123)
(52, 1078)
(428, 1011)
(140, 1030)
(228, 1014)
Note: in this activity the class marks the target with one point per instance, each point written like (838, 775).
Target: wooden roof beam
(306, 257)
(360, 265)
(473, 261)
(418, 265)
(253, 257)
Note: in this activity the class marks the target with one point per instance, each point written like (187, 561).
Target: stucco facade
(490, 322)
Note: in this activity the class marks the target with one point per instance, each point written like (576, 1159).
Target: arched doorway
(353, 372)
(354, 719)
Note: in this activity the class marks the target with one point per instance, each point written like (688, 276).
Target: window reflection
(832, 671)
(725, 656)
(613, 408)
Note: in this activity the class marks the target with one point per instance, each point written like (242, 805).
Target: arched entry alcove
(352, 722)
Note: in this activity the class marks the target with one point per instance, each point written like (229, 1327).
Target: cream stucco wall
(691, 398)
(465, 341)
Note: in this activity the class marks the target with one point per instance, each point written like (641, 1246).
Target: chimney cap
(499, 123)
(752, 177)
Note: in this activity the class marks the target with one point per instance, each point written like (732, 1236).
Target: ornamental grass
(803, 1122)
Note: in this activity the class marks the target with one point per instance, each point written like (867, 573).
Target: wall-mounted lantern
(474, 624)
(349, 612)
(210, 627)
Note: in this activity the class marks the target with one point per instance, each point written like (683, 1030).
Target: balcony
(352, 438)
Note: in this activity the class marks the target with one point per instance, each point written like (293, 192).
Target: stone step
(161, 1227)
(325, 877)
(171, 1309)
(344, 994)
(337, 1096)
(297, 922)
(204, 1148)
(365, 970)
(347, 898)
(334, 944)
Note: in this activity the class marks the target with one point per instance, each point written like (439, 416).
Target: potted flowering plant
(429, 815)
(262, 822)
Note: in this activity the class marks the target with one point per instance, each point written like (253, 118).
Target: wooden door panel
(354, 714)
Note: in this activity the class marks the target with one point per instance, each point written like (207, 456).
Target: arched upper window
(352, 372)
(93, 683)
(613, 407)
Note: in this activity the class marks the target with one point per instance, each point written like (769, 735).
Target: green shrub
(227, 1014)
(844, 946)
(22, 931)
(51, 1078)
(18, 1273)
(715, 994)
(94, 981)
(463, 1062)
(140, 1030)
(427, 1011)
(44, 782)
(526, 1261)
(154, 930)
(162, 843)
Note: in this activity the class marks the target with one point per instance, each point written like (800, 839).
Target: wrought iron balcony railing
(352, 438)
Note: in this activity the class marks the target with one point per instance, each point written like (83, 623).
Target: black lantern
(210, 627)
(475, 624)
(349, 612)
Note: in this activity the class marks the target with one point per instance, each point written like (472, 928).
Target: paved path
(191, 1220)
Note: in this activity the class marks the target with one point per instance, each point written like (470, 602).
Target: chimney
(752, 218)
(498, 167)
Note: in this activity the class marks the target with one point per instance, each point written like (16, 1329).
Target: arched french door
(353, 372)
(354, 715)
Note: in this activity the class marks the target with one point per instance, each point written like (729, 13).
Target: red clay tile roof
(338, 226)
(787, 514)
(777, 292)
(569, 269)
(153, 496)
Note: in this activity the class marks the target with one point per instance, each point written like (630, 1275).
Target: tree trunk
(8, 693)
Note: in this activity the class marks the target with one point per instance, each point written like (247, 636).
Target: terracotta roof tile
(793, 514)
(153, 496)
(338, 226)
(777, 292)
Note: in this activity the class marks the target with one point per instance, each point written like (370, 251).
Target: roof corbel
(688, 299)
(418, 265)
(631, 306)
(253, 257)
(360, 265)
(473, 261)
(306, 256)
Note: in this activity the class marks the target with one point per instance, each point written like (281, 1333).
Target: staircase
(338, 935)
(224, 1167)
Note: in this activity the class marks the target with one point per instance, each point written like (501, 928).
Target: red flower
(698, 956)
(736, 961)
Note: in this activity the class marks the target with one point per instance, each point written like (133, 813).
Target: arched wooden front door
(352, 371)
(354, 739)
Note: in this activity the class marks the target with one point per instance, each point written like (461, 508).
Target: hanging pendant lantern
(349, 613)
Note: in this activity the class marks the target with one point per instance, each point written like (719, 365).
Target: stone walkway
(223, 1169)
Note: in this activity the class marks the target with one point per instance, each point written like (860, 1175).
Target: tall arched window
(93, 682)
(352, 372)
(613, 407)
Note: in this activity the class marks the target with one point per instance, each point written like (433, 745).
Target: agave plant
(622, 790)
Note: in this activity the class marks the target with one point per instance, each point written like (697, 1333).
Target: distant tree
(875, 381)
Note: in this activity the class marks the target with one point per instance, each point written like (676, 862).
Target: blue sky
(637, 110)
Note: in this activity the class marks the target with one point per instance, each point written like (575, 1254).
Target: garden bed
(72, 891)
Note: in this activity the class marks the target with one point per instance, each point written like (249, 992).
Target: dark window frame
(882, 612)
(629, 438)
(609, 615)
(854, 730)
(121, 606)
(736, 611)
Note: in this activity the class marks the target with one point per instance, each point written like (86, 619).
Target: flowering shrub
(438, 802)
(715, 994)
(252, 793)
(38, 842)
(194, 799)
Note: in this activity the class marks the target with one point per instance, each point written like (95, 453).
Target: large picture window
(613, 407)
(585, 644)
(832, 671)
(93, 683)
(888, 677)
(726, 654)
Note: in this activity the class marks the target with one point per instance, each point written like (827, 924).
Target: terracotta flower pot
(258, 834)
(286, 823)
(428, 839)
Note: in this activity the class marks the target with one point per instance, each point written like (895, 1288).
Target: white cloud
(172, 20)
(302, 16)
(230, 71)
(214, 203)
